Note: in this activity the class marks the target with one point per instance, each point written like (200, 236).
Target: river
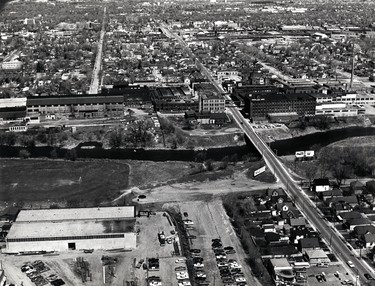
(283, 147)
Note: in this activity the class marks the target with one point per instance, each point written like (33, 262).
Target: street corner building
(72, 229)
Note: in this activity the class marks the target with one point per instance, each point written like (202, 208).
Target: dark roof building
(261, 105)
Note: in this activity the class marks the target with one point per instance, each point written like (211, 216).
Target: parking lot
(335, 275)
(211, 222)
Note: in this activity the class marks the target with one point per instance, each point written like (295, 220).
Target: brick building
(261, 105)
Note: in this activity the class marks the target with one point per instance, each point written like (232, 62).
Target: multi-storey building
(262, 105)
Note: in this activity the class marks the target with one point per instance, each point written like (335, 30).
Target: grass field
(43, 180)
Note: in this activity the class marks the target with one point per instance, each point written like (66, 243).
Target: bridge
(331, 236)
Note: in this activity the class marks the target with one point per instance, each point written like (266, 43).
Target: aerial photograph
(187, 142)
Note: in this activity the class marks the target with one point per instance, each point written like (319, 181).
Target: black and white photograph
(187, 142)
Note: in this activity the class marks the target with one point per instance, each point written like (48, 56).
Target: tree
(54, 154)
(24, 154)
(200, 156)
(71, 155)
(116, 139)
(310, 171)
(209, 165)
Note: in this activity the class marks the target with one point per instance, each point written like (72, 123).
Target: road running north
(94, 85)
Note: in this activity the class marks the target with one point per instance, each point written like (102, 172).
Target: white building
(71, 229)
(338, 109)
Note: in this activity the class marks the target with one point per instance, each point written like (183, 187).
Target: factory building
(72, 229)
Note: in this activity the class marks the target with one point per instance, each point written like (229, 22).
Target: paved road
(94, 85)
(314, 216)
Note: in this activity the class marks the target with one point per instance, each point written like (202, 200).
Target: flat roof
(69, 228)
(280, 262)
(103, 213)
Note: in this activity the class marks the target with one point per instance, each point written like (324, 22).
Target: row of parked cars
(182, 275)
(230, 271)
(35, 272)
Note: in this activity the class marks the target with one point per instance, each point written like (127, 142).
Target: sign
(309, 154)
(300, 154)
(259, 171)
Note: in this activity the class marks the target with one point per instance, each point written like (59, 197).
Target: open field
(42, 180)
(41, 183)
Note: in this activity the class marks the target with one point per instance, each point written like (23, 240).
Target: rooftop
(54, 215)
(280, 263)
(69, 228)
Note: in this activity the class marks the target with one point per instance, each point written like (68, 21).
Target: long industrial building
(72, 229)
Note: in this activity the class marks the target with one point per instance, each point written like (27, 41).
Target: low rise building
(316, 256)
(72, 229)
(281, 271)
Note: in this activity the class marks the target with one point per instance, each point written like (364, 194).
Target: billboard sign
(309, 154)
(300, 154)
(259, 171)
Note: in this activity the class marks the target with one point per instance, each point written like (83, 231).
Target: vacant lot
(43, 180)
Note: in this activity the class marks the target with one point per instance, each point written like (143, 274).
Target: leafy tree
(209, 165)
(24, 154)
(116, 139)
(310, 172)
(71, 155)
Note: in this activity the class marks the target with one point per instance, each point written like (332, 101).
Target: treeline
(342, 163)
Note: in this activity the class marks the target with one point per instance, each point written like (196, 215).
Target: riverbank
(284, 132)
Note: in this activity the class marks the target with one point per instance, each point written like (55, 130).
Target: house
(281, 271)
(369, 240)
(316, 256)
(297, 223)
(272, 238)
(340, 207)
(334, 193)
(209, 118)
(350, 200)
(308, 243)
(357, 187)
(344, 217)
(321, 185)
(352, 223)
(297, 234)
(359, 231)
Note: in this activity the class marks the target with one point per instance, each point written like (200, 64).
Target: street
(94, 85)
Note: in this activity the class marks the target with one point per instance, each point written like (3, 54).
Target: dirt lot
(148, 246)
(206, 190)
